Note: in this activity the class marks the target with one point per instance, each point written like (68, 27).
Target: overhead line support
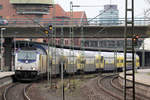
(129, 12)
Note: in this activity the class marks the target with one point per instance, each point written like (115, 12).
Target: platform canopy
(31, 1)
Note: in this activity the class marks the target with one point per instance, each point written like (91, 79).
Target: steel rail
(99, 81)
(7, 89)
(138, 96)
(25, 92)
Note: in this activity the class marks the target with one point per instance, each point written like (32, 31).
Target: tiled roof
(77, 14)
(58, 11)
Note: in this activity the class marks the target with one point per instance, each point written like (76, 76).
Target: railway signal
(46, 31)
(135, 40)
(50, 28)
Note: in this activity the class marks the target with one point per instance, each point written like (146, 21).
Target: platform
(6, 78)
(141, 76)
(6, 74)
(142, 81)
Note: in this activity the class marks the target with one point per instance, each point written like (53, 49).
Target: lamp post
(2, 29)
(14, 53)
(143, 55)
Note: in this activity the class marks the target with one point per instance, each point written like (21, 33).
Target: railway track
(107, 87)
(115, 84)
(111, 86)
(16, 91)
(105, 84)
(93, 90)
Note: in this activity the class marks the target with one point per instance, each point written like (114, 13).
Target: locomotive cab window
(26, 55)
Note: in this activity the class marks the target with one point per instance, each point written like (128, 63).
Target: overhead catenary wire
(95, 16)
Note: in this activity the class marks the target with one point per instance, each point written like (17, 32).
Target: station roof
(30, 1)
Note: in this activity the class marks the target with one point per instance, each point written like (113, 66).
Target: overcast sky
(140, 6)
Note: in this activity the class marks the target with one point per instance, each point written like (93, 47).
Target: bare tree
(147, 11)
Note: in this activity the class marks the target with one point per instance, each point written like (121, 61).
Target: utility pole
(143, 54)
(50, 67)
(72, 41)
(62, 63)
(53, 51)
(49, 32)
(14, 53)
(2, 49)
(62, 79)
(129, 22)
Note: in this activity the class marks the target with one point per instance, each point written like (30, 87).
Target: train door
(120, 63)
(102, 62)
(80, 61)
(109, 63)
(137, 62)
(90, 64)
(71, 66)
(97, 62)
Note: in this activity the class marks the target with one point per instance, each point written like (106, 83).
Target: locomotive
(29, 63)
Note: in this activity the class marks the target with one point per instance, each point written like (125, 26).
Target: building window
(58, 42)
(31, 9)
(1, 6)
(111, 44)
(66, 42)
(86, 43)
(94, 43)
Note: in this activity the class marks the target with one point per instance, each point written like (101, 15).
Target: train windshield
(27, 55)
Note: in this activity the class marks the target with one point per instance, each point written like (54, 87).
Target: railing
(77, 21)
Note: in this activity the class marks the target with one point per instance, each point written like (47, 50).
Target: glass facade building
(109, 16)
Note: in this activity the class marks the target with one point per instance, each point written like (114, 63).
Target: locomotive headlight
(26, 61)
(19, 68)
(33, 68)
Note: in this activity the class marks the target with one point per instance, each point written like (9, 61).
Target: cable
(87, 6)
(99, 14)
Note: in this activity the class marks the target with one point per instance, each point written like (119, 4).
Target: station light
(135, 40)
